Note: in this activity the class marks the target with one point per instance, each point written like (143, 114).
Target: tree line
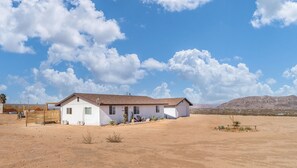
(2, 98)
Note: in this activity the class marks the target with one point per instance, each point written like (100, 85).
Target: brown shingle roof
(106, 99)
(174, 101)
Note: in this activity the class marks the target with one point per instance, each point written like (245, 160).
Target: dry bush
(154, 118)
(112, 122)
(87, 139)
(114, 138)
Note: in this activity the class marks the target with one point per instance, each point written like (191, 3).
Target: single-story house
(176, 107)
(1, 108)
(100, 109)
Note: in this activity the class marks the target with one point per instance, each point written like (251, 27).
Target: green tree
(2, 98)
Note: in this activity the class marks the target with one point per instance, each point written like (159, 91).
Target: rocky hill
(262, 102)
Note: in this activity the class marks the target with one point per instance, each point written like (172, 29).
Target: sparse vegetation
(132, 117)
(114, 138)
(139, 118)
(154, 118)
(125, 116)
(87, 139)
(2, 98)
(235, 127)
(221, 127)
(249, 112)
(236, 124)
(112, 122)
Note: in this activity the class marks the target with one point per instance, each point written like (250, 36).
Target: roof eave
(131, 104)
(62, 101)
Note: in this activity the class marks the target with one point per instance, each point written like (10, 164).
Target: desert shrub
(132, 117)
(112, 122)
(125, 116)
(241, 129)
(87, 139)
(154, 118)
(138, 118)
(221, 127)
(248, 128)
(114, 138)
(236, 123)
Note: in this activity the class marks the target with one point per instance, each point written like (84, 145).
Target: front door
(126, 116)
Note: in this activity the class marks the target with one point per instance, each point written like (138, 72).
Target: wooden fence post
(43, 117)
(60, 117)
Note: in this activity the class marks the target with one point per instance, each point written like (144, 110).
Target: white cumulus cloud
(75, 31)
(178, 5)
(36, 94)
(107, 65)
(3, 87)
(52, 22)
(193, 95)
(161, 91)
(289, 89)
(291, 73)
(271, 81)
(273, 11)
(213, 81)
(152, 64)
(67, 82)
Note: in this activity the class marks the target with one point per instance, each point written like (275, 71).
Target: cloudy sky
(209, 51)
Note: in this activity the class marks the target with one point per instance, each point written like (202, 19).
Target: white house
(176, 107)
(1, 108)
(100, 109)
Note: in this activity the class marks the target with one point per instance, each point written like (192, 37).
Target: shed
(176, 107)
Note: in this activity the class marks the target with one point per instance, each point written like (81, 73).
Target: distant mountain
(262, 102)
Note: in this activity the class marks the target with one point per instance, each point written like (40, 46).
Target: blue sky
(209, 51)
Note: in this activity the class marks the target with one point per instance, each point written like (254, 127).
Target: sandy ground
(185, 142)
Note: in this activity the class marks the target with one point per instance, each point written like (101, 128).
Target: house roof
(107, 99)
(174, 101)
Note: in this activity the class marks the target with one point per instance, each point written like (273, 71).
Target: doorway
(126, 116)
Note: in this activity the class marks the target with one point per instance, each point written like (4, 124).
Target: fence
(43, 117)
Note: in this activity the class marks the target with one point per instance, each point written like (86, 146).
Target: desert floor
(185, 142)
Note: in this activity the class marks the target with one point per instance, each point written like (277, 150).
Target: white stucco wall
(106, 118)
(146, 111)
(1, 108)
(170, 112)
(78, 112)
(103, 117)
(150, 111)
(181, 110)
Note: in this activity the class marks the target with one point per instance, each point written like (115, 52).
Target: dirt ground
(185, 142)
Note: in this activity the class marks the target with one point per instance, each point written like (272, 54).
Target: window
(136, 110)
(77, 99)
(112, 110)
(88, 110)
(157, 109)
(69, 111)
